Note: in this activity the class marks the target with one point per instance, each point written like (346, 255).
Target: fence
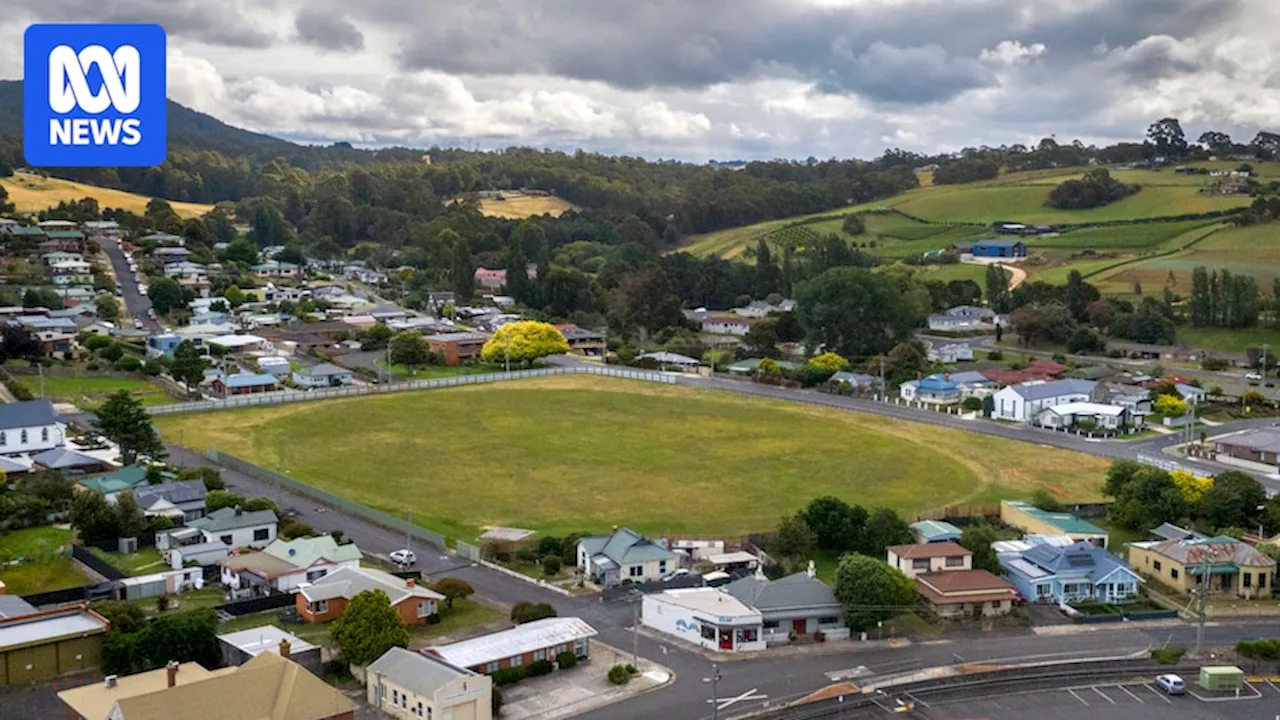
(97, 564)
(1169, 465)
(292, 396)
(70, 595)
(325, 498)
(258, 604)
(467, 550)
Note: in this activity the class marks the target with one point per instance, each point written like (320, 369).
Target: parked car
(403, 556)
(678, 572)
(137, 323)
(1171, 684)
(1252, 376)
(717, 578)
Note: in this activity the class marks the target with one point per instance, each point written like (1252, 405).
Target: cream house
(915, 560)
(407, 684)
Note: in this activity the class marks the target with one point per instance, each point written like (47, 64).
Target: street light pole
(715, 701)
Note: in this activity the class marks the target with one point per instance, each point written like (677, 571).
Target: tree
(452, 588)
(1036, 323)
(1233, 501)
(377, 337)
(1192, 486)
(884, 528)
(525, 611)
(854, 225)
(870, 591)
(123, 420)
(94, 519)
(670, 236)
(997, 281)
(644, 300)
(210, 476)
(1168, 137)
(829, 362)
(409, 348)
(130, 520)
(41, 297)
(837, 526)
(188, 365)
(1145, 496)
(856, 313)
(524, 342)
(190, 636)
(108, 307)
(241, 251)
(1096, 189)
(1170, 406)
(369, 627)
(6, 170)
(977, 539)
(1218, 143)
(17, 342)
(761, 339)
(234, 296)
(794, 539)
(462, 272)
(218, 499)
(166, 294)
(768, 277)
(519, 285)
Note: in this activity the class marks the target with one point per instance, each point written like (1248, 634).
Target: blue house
(1047, 571)
(166, 343)
(936, 389)
(1000, 248)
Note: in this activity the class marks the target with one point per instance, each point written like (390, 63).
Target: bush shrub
(495, 702)
(631, 669)
(551, 565)
(1168, 655)
(539, 667)
(525, 611)
(972, 404)
(995, 356)
(1213, 364)
(433, 619)
(566, 660)
(618, 675)
(526, 555)
(128, 363)
(1259, 649)
(508, 676)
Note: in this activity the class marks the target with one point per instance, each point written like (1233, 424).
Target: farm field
(1251, 251)
(566, 454)
(32, 193)
(1025, 203)
(1226, 340)
(89, 392)
(523, 206)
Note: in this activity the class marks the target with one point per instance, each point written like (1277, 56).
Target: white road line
(1104, 696)
(1130, 692)
(1074, 695)
(1157, 693)
(1273, 686)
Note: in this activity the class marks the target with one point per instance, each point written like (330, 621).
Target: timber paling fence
(293, 396)
(327, 499)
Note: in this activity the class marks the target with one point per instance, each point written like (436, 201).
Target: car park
(1171, 684)
(403, 556)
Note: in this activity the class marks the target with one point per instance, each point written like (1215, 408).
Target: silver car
(1171, 684)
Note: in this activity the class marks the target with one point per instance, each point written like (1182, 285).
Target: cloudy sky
(699, 79)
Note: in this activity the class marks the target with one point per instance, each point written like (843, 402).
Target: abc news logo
(94, 95)
(121, 90)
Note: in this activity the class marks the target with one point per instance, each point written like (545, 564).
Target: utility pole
(406, 532)
(1203, 598)
(884, 392)
(637, 597)
(715, 701)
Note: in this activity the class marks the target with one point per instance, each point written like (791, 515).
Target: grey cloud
(1155, 58)
(327, 31)
(909, 75)
(199, 20)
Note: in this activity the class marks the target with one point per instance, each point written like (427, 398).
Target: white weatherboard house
(237, 528)
(323, 375)
(30, 427)
(1024, 402)
(284, 565)
(709, 617)
(624, 555)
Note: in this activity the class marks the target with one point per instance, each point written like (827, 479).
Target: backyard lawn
(89, 392)
(144, 562)
(47, 562)
(465, 614)
(575, 453)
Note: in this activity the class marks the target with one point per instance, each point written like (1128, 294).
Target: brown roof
(267, 687)
(928, 550)
(259, 563)
(94, 701)
(945, 588)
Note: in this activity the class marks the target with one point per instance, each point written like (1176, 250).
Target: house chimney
(812, 571)
(239, 510)
(111, 681)
(284, 648)
(408, 583)
(171, 669)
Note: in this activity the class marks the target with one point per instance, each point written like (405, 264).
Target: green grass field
(582, 453)
(47, 563)
(1251, 251)
(89, 392)
(431, 372)
(144, 562)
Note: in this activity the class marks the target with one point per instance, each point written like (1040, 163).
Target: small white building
(950, 353)
(1024, 402)
(237, 528)
(919, 559)
(323, 375)
(1070, 415)
(202, 554)
(30, 427)
(727, 325)
(274, 365)
(709, 617)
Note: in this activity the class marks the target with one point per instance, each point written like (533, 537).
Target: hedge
(566, 660)
(1259, 649)
(618, 675)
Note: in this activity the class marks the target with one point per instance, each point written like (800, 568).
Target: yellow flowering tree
(524, 342)
(1170, 406)
(1192, 488)
(829, 362)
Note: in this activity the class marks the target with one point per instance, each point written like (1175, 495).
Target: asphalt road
(136, 304)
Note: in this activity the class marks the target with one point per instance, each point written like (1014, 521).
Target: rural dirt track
(1018, 275)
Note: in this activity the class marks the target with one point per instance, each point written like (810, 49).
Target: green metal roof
(126, 478)
(1066, 522)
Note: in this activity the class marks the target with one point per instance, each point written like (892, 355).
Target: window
(419, 708)
(708, 632)
(770, 624)
(833, 620)
(1156, 564)
(1262, 580)
(4, 439)
(517, 661)
(1173, 573)
(920, 564)
(261, 534)
(1248, 579)
(315, 575)
(226, 539)
(748, 635)
(404, 700)
(319, 606)
(428, 713)
(539, 655)
(44, 434)
(23, 437)
(955, 561)
(662, 566)
(492, 667)
(425, 608)
(395, 697)
(635, 570)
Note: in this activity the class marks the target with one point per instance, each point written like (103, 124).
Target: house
(1252, 449)
(1024, 402)
(1134, 399)
(106, 228)
(273, 270)
(963, 318)
(709, 617)
(1233, 566)
(1030, 519)
(750, 366)
(101, 327)
(238, 342)
(1010, 249)
(438, 299)
(1169, 531)
(164, 238)
(240, 647)
(950, 353)
(671, 361)
(625, 554)
(583, 342)
(267, 686)
(238, 528)
(244, 384)
(858, 382)
(521, 645)
(1043, 569)
(935, 531)
(727, 325)
(169, 255)
(164, 344)
(965, 593)
(937, 557)
(30, 427)
(58, 256)
(53, 343)
(126, 478)
(799, 603)
(935, 390)
(323, 375)
(201, 553)
(1086, 416)
(186, 270)
(973, 383)
(490, 279)
(274, 365)
(326, 599)
(41, 645)
(181, 501)
(284, 565)
(458, 347)
(1190, 393)
(407, 684)
(69, 462)
(761, 308)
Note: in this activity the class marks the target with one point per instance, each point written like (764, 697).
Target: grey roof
(348, 582)
(969, 377)
(625, 546)
(14, 606)
(64, 458)
(1040, 391)
(229, 519)
(457, 336)
(324, 370)
(422, 673)
(855, 379)
(250, 380)
(670, 357)
(1265, 439)
(1169, 531)
(788, 593)
(185, 491)
(27, 414)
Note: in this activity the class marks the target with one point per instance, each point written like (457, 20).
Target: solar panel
(1080, 560)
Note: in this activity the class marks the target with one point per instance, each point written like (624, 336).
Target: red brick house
(327, 598)
(521, 645)
(244, 384)
(458, 347)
